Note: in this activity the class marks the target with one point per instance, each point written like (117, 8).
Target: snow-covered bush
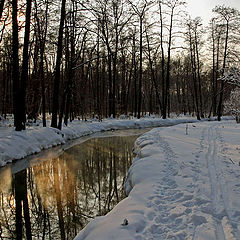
(232, 76)
(233, 104)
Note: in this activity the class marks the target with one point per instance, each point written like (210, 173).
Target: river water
(55, 194)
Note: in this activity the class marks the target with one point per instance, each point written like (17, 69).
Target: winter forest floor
(183, 183)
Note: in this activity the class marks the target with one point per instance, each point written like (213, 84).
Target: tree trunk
(199, 77)
(71, 73)
(219, 110)
(152, 73)
(42, 40)
(167, 94)
(193, 64)
(128, 88)
(55, 106)
(135, 75)
(115, 70)
(213, 75)
(216, 78)
(140, 70)
(15, 70)
(163, 110)
(1, 8)
(24, 75)
(110, 83)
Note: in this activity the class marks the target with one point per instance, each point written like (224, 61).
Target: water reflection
(56, 198)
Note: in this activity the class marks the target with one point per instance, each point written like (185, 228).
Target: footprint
(162, 208)
(186, 198)
(156, 229)
(198, 220)
(179, 236)
(151, 215)
(188, 204)
(161, 219)
(178, 221)
(153, 197)
(157, 202)
(197, 155)
(188, 211)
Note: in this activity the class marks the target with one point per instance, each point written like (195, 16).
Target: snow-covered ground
(17, 145)
(184, 183)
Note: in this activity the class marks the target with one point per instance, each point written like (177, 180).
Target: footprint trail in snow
(180, 186)
(191, 199)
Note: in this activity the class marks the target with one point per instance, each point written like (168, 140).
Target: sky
(203, 8)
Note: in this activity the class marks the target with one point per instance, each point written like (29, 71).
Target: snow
(231, 76)
(232, 105)
(16, 145)
(183, 184)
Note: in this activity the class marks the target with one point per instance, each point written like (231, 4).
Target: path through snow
(180, 187)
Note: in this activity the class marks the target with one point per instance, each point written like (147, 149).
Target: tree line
(75, 58)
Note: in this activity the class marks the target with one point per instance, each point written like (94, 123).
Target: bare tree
(215, 38)
(42, 34)
(15, 68)
(25, 61)
(192, 51)
(153, 75)
(197, 39)
(140, 11)
(55, 105)
(172, 7)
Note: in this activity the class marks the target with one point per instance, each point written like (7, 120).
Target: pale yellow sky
(203, 8)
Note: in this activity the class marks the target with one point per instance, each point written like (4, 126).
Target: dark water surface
(56, 197)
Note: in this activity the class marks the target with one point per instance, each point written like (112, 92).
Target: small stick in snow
(186, 129)
(233, 161)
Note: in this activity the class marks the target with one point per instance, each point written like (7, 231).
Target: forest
(65, 60)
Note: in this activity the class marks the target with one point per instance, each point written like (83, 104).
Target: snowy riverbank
(17, 145)
(181, 186)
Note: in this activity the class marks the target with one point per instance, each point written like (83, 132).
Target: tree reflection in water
(58, 197)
